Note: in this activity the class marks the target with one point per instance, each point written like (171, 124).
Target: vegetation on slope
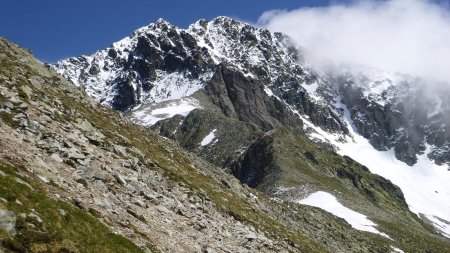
(46, 225)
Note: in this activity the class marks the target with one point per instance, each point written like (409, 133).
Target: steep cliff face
(399, 112)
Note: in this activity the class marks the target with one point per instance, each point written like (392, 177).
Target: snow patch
(329, 203)
(210, 137)
(437, 109)
(312, 90)
(396, 250)
(175, 85)
(150, 115)
(443, 226)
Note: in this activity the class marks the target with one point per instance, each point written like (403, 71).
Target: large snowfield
(425, 185)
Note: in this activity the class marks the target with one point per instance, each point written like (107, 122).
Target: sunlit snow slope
(329, 203)
(425, 185)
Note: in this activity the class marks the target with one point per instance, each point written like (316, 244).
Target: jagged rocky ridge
(161, 63)
(252, 81)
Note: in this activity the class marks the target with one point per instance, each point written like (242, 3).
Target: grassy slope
(353, 184)
(64, 228)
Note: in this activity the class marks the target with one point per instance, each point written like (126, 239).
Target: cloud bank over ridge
(407, 36)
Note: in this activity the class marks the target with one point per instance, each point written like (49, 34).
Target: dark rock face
(321, 113)
(403, 123)
(127, 96)
(244, 99)
(257, 164)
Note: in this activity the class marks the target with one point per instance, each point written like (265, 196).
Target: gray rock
(95, 138)
(100, 176)
(131, 189)
(62, 212)
(136, 215)
(8, 105)
(35, 216)
(73, 154)
(23, 123)
(8, 222)
(23, 107)
(163, 209)
(44, 119)
(120, 150)
(27, 90)
(82, 181)
(207, 249)
(151, 198)
(120, 179)
(44, 179)
(84, 125)
(251, 236)
(139, 202)
(16, 100)
(78, 202)
(56, 157)
(36, 81)
(105, 203)
(84, 162)
(19, 116)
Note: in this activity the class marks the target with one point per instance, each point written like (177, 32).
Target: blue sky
(56, 29)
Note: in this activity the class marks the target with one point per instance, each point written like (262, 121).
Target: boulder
(8, 222)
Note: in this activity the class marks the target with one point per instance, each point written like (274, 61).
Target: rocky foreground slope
(78, 177)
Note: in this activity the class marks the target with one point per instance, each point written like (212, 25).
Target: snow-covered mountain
(396, 125)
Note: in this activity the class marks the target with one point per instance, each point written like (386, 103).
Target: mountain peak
(222, 19)
(163, 23)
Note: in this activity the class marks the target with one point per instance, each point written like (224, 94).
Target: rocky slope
(78, 177)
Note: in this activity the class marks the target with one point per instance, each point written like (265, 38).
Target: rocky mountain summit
(161, 62)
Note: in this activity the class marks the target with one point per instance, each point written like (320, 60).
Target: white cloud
(408, 36)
